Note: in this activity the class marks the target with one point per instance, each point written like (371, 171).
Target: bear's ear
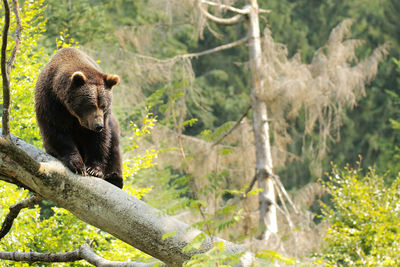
(78, 78)
(111, 80)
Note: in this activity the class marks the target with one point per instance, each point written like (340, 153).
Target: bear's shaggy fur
(72, 103)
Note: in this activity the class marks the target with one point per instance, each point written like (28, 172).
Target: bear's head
(89, 98)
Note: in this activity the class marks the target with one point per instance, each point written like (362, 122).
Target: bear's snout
(98, 127)
(94, 121)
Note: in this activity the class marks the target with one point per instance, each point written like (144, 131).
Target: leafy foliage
(59, 233)
(26, 68)
(364, 219)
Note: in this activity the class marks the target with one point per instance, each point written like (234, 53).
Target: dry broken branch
(224, 21)
(285, 211)
(216, 49)
(282, 189)
(14, 211)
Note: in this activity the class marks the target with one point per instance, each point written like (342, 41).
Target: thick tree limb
(4, 73)
(103, 205)
(14, 211)
(83, 253)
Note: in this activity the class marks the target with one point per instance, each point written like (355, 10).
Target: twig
(83, 253)
(5, 74)
(230, 8)
(233, 127)
(225, 21)
(14, 211)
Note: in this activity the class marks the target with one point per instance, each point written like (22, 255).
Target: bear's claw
(94, 171)
(75, 164)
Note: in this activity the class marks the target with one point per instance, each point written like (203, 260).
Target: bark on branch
(103, 205)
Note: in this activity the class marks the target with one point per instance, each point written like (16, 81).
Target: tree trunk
(268, 220)
(103, 205)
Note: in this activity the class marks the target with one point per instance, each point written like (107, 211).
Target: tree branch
(4, 73)
(233, 128)
(14, 211)
(285, 211)
(244, 11)
(42, 257)
(83, 253)
(224, 21)
(17, 37)
(87, 254)
(103, 205)
(281, 188)
(6, 70)
(215, 49)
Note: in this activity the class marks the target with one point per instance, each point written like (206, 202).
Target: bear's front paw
(75, 164)
(94, 171)
(114, 179)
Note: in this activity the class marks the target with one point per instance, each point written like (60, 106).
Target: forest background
(172, 111)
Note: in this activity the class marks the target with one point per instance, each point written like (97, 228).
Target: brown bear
(72, 103)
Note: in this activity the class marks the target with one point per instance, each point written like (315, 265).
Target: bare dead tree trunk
(268, 220)
(264, 174)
